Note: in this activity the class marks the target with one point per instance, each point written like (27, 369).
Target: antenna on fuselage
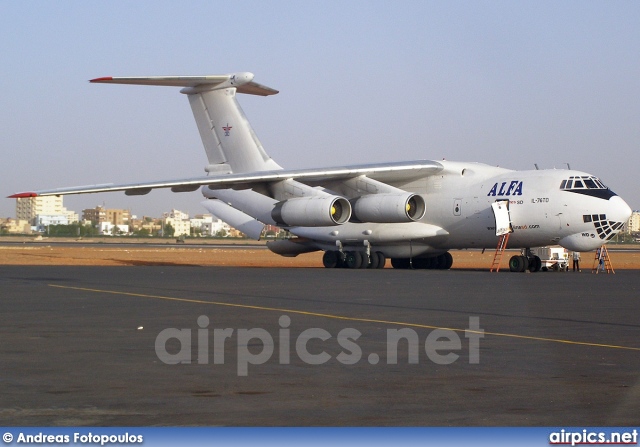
(536, 165)
(568, 167)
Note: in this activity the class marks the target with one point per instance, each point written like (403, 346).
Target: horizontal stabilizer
(243, 82)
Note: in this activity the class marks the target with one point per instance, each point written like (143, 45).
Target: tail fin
(229, 141)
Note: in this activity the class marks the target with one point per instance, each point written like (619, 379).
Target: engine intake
(312, 211)
(389, 208)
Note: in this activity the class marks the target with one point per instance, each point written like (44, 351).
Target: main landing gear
(376, 260)
(353, 260)
(524, 262)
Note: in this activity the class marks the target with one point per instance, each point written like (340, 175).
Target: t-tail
(229, 141)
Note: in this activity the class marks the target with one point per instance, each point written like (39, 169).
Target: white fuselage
(459, 215)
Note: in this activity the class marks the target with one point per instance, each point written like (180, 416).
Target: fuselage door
(503, 218)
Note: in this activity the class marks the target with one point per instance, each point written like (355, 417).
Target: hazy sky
(505, 83)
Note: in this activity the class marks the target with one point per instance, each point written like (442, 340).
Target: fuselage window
(590, 184)
(569, 184)
(586, 218)
(578, 184)
(563, 184)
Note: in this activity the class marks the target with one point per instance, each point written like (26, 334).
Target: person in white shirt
(576, 261)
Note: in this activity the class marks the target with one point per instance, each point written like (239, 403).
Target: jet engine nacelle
(319, 211)
(389, 208)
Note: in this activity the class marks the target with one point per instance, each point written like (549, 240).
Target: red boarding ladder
(502, 245)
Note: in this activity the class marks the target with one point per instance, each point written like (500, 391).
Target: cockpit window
(590, 184)
(585, 182)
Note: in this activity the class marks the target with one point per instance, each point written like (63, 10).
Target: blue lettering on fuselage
(514, 189)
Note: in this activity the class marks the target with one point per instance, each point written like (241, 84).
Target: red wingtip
(23, 195)
(105, 79)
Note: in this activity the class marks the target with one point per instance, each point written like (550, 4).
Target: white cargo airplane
(411, 212)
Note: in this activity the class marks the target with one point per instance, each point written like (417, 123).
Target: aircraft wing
(384, 172)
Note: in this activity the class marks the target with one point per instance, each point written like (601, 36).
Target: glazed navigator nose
(619, 210)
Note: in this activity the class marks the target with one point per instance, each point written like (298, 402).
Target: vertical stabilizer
(226, 133)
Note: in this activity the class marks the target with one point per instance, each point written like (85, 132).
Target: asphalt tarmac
(314, 347)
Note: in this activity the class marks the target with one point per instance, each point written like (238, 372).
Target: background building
(109, 229)
(633, 226)
(179, 221)
(15, 226)
(45, 220)
(100, 214)
(36, 209)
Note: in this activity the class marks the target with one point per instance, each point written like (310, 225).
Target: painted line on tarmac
(345, 318)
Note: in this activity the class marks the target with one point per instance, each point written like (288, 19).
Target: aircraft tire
(374, 260)
(535, 264)
(382, 260)
(514, 264)
(518, 263)
(437, 263)
(341, 260)
(400, 263)
(421, 263)
(448, 260)
(364, 264)
(353, 260)
(330, 259)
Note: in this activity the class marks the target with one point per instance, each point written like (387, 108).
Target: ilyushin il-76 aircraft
(412, 212)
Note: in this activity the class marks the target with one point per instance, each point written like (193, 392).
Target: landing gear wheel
(353, 260)
(342, 260)
(374, 261)
(330, 259)
(364, 264)
(448, 260)
(535, 264)
(400, 263)
(432, 263)
(441, 262)
(381, 260)
(420, 263)
(518, 264)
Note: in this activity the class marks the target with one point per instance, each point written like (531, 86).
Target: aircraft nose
(620, 211)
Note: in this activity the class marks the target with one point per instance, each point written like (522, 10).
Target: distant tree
(169, 231)
(62, 230)
(142, 232)
(87, 230)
